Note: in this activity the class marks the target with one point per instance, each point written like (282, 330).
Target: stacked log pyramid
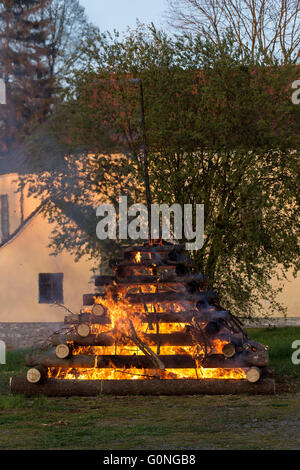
(159, 283)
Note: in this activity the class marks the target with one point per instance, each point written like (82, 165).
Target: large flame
(128, 320)
(139, 374)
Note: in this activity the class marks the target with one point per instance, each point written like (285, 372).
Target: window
(4, 213)
(51, 288)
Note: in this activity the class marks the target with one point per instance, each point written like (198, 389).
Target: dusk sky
(118, 14)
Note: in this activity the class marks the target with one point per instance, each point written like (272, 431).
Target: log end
(62, 351)
(253, 374)
(34, 375)
(83, 330)
(228, 350)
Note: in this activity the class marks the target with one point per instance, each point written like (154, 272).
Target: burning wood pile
(154, 329)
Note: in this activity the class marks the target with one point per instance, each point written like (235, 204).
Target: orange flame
(142, 374)
(126, 319)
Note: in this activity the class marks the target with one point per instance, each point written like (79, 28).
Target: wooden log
(183, 316)
(83, 330)
(257, 354)
(186, 316)
(260, 359)
(104, 280)
(104, 339)
(253, 374)
(72, 318)
(101, 339)
(163, 263)
(36, 374)
(228, 350)
(109, 361)
(99, 309)
(147, 279)
(155, 248)
(88, 318)
(169, 317)
(162, 297)
(239, 360)
(145, 348)
(162, 271)
(62, 351)
(67, 388)
(175, 361)
(168, 339)
(267, 372)
(89, 299)
(208, 316)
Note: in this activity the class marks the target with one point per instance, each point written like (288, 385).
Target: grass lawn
(155, 423)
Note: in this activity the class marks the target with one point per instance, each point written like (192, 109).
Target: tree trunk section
(174, 361)
(62, 351)
(253, 374)
(67, 388)
(36, 374)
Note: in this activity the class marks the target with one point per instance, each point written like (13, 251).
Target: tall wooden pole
(145, 160)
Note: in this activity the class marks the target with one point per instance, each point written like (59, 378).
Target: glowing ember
(139, 374)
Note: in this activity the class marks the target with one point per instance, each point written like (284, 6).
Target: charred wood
(89, 299)
(66, 388)
(147, 279)
(36, 374)
(109, 361)
(88, 318)
(175, 361)
(154, 248)
(253, 374)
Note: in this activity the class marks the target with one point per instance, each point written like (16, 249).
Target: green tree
(23, 36)
(221, 131)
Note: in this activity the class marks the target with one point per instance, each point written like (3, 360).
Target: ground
(155, 423)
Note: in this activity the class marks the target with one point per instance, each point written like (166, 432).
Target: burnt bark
(174, 361)
(109, 361)
(144, 279)
(66, 388)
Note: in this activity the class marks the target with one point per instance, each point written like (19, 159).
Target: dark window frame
(51, 288)
(4, 217)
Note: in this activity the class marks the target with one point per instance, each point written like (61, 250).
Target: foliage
(221, 131)
(29, 89)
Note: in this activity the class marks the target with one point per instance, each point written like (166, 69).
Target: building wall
(27, 255)
(290, 295)
(21, 261)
